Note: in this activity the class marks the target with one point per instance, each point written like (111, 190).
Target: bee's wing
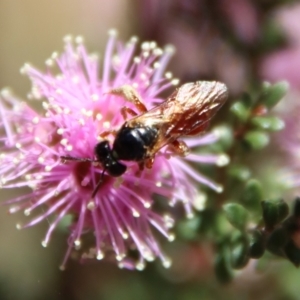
(199, 101)
(159, 116)
(163, 118)
(186, 112)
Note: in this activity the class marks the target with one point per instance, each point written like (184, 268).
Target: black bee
(186, 112)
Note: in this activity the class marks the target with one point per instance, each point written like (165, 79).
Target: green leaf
(239, 172)
(292, 252)
(274, 212)
(256, 244)
(225, 136)
(246, 100)
(272, 35)
(240, 111)
(277, 241)
(270, 123)
(256, 139)
(296, 212)
(65, 223)
(188, 228)
(252, 195)
(236, 214)
(272, 94)
(223, 269)
(239, 251)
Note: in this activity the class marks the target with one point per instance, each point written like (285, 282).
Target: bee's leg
(149, 162)
(104, 134)
(130, 94)
(127, 111)
(180, 148)
(141, 166)
(139, 172)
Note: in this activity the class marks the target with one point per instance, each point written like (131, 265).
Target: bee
(186, 112)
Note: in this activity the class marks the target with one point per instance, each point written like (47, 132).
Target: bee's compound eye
(102, 150)
(116, 169)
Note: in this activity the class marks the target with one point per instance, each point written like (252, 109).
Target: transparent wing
(186, 112)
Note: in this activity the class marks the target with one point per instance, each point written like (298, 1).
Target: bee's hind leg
(130, 94)
(180, 148)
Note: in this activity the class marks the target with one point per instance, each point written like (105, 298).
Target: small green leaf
(277, 241)
(272, 94)
(292, 252)
(252, 195)
(66, 222)
(276, 123)
(272, 35)
(188, 228)
(223, 269)
(239, 172)
(296, 212)
(239, 252)
(246, 100)
(274, 212)
(256, 244)
(270, 123)
(240, 111)
(225, 136)
(256, 139)
(236, 214)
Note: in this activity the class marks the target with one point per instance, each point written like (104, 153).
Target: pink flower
(285, 62)
(77, 109)
(203, 27)
(288, 143)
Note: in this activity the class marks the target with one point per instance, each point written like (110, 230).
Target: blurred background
(239, 42)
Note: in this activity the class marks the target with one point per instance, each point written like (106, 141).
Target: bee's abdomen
(132, 143)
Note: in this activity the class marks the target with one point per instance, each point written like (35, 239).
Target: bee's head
(105, 156)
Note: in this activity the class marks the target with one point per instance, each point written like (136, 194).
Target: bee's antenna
(71, 158)
(96, 189)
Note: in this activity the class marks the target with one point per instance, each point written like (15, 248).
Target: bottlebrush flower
(77, 109)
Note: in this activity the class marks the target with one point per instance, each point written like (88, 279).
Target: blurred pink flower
(288, 143)
(285, 63)
(76, 110)
(202, 28)
(243, 17)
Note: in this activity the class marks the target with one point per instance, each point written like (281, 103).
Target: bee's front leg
(148, 163)
(130, 94)
(127, 111)
(106, 133)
